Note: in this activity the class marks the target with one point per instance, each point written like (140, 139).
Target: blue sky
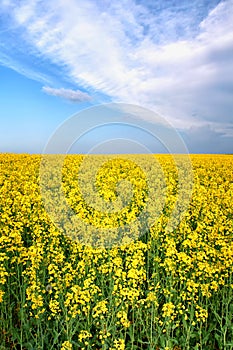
(60, 57)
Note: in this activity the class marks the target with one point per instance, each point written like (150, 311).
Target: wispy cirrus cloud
(68, 94)
(175, 59)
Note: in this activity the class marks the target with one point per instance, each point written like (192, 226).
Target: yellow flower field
(117, 277)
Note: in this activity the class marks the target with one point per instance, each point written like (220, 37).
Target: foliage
(164, 290)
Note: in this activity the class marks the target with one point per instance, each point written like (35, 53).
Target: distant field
(110, 274)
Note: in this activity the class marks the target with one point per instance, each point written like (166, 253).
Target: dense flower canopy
(162, 288)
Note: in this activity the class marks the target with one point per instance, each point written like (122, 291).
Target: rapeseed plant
(158, 288)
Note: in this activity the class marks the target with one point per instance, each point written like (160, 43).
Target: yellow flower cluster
(66, 345)
(144, 280)
(118, 345)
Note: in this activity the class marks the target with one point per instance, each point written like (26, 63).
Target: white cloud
(27, 10)
(126, 51)
(68, 94)
(207, 139)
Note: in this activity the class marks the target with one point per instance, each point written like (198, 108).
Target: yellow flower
(66, 345)
(83, 335)
(122, 315)
(100, 309)
(168, 309)
(118, 345)
(1, 295)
